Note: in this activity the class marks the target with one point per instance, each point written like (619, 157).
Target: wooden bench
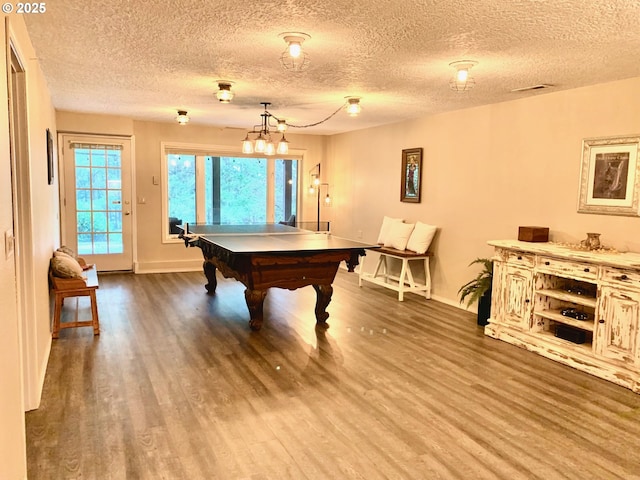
(405, 282)
(75, 287)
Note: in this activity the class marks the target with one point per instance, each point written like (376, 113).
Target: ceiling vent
(533, 87)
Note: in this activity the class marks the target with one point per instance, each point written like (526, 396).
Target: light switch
(156, 180)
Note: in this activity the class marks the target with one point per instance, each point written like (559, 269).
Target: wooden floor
(177, 387)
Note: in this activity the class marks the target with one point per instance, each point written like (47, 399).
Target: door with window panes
(97, 200)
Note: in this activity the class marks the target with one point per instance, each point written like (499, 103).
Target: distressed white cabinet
(577, 307)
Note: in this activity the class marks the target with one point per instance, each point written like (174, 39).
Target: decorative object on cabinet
(592, 242)
(479, 290)
(533, 234)
(610, 176)
(411, 183)
(575, 306)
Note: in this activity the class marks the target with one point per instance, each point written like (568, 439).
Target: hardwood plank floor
(177, 387)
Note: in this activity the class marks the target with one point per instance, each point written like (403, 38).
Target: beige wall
(151, 253)
(486, 171)
(25, 342)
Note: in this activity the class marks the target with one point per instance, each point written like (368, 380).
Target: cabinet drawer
(521, 259)
(620, 276)
(565, 268)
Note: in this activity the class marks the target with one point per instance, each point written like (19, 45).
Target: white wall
(486, 171)
(28, 339)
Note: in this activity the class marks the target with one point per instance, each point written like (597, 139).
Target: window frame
(201, 151)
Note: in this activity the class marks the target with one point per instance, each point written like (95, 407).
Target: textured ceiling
(145, 59)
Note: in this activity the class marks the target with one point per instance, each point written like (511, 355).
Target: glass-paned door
(97, 200)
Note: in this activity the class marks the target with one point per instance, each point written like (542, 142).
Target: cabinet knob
(623, 277)
(601, 321)
(519, 257)
(586, 270)
(526, 301)
(547, 263)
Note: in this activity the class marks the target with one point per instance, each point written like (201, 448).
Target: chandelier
(263, 141)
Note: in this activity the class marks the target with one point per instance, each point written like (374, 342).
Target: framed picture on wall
(411, 182)
(610, 176)
(50, 157)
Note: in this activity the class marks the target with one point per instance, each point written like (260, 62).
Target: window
(223, 188)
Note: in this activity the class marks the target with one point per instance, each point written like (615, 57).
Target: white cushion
(421, 237)
(68, 251)
(387, 223)
(399, 235)
(65, 266)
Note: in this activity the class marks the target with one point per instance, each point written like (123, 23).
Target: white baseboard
(170, 266)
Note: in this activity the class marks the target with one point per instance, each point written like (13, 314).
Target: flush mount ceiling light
(462, 81)
(262, 142)
(224, 93)
(294, 59)
(353, 106)
(182, 117)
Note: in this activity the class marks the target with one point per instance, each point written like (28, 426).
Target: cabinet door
(516, 299)
(617, 334)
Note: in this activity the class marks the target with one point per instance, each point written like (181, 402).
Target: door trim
(132, 182)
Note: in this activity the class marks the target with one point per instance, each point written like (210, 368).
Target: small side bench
(405, 282)
(75, 287)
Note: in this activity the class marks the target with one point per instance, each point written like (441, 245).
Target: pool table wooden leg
(323, 294)
(210, 272)
(255, 300)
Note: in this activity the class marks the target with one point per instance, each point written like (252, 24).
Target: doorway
(96, 203)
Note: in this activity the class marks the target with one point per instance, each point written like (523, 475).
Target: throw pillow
(399, 235)
(64, 266)
(68, 251)
(421, 237)
(387, 223)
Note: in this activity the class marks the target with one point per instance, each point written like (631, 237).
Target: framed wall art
(610, 176)
(49, 157)
(411, 176)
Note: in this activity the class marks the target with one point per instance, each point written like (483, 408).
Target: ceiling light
(224, 93)
(462, 81)
(294, 58)
(353, 106)
(182, 117)
(263, 142)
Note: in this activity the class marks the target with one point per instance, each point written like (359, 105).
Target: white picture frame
(610, 176)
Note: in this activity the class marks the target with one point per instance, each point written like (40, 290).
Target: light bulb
(247, 145)
(295, 49)
(261, 144)
(463, 74)
(283, 146)
(327, 199)
(270, 148)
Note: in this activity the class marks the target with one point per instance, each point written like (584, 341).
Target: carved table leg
(323, 294)
(210, 272)
(255, 300)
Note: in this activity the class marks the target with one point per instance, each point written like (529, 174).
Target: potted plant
(479, 290)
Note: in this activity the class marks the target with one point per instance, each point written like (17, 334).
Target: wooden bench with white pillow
(406, 243)
(70, 276)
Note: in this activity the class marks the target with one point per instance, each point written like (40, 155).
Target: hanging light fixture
(263, 142)
(294, 58)
(462, 81)
(353, 106)
(224, 93)
(182, 117)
